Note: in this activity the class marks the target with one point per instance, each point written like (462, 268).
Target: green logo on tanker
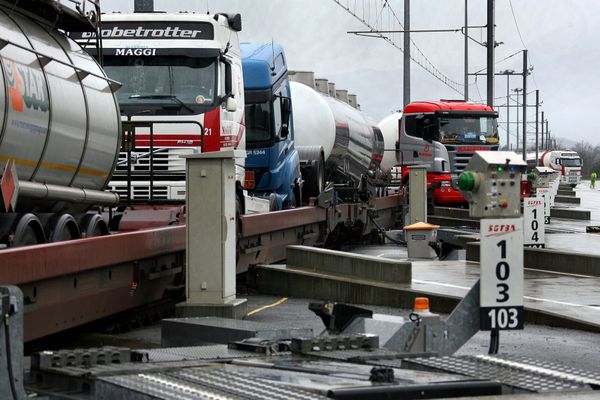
(26, 86)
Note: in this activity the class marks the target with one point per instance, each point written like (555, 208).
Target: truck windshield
(258, 122)
(191, 80)
(471, 130)
(571, 162)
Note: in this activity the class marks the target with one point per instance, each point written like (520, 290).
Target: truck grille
(163, 160)
(459, 160)
(140, 191)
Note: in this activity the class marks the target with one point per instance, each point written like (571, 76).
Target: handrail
(129, 127)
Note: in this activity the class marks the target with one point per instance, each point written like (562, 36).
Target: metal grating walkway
(519, 372)
(199, 383)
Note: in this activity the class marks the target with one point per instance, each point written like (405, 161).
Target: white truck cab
(182, 93)
(567, 163)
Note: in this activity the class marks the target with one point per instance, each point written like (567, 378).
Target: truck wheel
(93, 225)
(314, 179)
(62, 227)
(28, 231)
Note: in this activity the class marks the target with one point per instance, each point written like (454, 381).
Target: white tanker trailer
(60, 131)
(336, 141)
(392, 158)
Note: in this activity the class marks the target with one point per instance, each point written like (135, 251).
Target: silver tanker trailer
(337, 142)
(60, 127)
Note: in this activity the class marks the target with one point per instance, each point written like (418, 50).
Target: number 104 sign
(534, 228)
(501, 260)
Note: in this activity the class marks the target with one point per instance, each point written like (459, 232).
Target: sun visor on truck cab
(151, 52)
(234, 20)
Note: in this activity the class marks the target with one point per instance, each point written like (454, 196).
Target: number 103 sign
(501, 298)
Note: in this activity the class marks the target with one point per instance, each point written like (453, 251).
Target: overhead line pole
(466, 50)
(517, 91)
(507, 112)
(543, 138)
(525, 68)
(406, 84)
(547, 136)
(537, 110)
(491, 44)
(508, 73)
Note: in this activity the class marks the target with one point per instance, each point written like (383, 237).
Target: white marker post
(501, 263)
(544, 193)
(534, 229)
(554, 190)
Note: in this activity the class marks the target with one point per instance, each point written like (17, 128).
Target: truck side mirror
(231, 104)
(286, 110)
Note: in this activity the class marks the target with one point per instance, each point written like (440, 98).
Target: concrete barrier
(550, 260)
(571, 213)
(462, 214)
(566, 192)
(348, 264)
(567, 199)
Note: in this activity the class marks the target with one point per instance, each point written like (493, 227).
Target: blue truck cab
(272, 162)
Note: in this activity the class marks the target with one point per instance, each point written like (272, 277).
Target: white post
(211, 236)
(417, 193)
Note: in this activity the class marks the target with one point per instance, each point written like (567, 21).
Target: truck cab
(182, 93)
(443, 135)
(567, 163)
(272, 162)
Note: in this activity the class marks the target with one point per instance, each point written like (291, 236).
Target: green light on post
(500, 169)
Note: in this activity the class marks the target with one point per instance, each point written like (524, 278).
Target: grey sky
(561, 36)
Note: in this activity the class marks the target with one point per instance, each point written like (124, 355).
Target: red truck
(442, 135)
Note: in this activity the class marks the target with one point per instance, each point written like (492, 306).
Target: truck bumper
(447, 195)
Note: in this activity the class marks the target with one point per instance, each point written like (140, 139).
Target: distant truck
(566, 162)
(443, 135)
(272, 161)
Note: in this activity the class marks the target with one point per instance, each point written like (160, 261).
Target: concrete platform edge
(302, 284)
(348, 264)
(550, 260)
(235, 309)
